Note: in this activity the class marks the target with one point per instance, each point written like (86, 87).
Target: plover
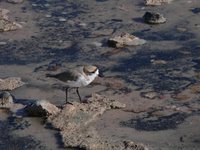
(77, 77)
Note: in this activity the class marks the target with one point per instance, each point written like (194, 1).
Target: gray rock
(6, 98)
(125, 39)
(41, 108)
(10, 83)
(154, 18)
(157, 2)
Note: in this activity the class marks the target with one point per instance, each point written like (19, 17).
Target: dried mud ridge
(73, 121)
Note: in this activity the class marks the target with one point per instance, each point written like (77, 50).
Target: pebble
(82, 24)
(62, 19)
(3, 43)
(97, 44)
(48, 16)
(158, 62)
(150, 95)
(157, 2)
(154, 18)
(34, 5)
(64, 13)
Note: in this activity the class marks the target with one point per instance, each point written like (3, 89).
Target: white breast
(83, 80)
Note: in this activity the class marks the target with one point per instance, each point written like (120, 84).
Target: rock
(117, 105)
(154, 18)
(10, 83)
(196, 10)
(97, 44)
(15, 1)
(157, 2)
(82, 24)
(125, 39)
(5, 98)
(158, 62)
(41, 108)
(62, 19)
(48, 16)
(150, 95)
(130, 145)
(5, 23)
(3, 13)
(75, 120)
(7, 103)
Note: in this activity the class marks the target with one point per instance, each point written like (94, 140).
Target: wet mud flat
(158, 81)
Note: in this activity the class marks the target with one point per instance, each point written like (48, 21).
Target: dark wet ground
(62, 34)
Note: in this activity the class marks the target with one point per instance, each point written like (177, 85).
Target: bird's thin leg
(66, 92)
(78, 94)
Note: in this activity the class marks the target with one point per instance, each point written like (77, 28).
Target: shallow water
(62, 33)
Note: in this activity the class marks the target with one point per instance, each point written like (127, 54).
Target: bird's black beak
(101, 74)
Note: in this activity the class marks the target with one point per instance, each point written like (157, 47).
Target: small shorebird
(77, 77)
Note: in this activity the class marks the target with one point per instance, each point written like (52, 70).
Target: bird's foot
(69, 103)
(85, 101)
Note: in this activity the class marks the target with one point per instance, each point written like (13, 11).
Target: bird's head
(91, 70)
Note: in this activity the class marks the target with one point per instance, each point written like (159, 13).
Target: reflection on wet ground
(9, 141)
(167, 64)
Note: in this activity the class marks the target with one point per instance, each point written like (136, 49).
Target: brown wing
(64, 76)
